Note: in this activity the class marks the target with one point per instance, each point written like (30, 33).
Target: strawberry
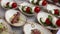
(55, 1)
(44, 3)
(56, 11)
(37, 9)
(28, 9)
(47, 21)
(7, 4)
(58, 22)
(14, 5)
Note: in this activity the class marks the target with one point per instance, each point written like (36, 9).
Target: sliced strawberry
(47, 21)
(14, 5)
(44, 3)
(35, 31)
(58, 22)
(28, 9)
(56, 11)
(37, 9)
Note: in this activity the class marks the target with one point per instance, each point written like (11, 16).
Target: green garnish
(1, 26)
(50, 18)
(25, 11)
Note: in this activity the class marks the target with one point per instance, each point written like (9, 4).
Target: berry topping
(56, 11)
(37, 9)
(35, 31)
(44, 2)
(28, 9)
(14, 5)
(47, 21)
(58, 22)
(55, 1)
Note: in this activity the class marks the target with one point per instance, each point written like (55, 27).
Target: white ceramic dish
(26, 4)
(51, 7)
(31, 26)
(42, 15)
(8, 28)
(3, 3)
(10, 13)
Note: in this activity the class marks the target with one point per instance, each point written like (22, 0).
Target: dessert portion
(9, 4)
(28, 8)
(34, 28)
(5, 28)
(38, 2)
(53, 9)
(48, 20)
(15, 18)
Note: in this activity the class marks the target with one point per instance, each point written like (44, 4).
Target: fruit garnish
(28, 9)
(55, 1)
(56, 11)
(37, 9)
(47, 21)
(14, 5)
(7, 4)
(44, 3)
(35, 31)
(58, 22)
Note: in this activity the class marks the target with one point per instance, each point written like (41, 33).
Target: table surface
(18, 30)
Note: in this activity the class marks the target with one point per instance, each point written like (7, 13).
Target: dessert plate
(5, 28)
(34, 28)
(15, 18)
(47, 20)
(25, 4)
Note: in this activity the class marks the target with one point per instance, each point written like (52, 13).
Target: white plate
(31, 26)
(26, 4)
(9, 30)
(51, 7)
(10, 13)
(43, 14)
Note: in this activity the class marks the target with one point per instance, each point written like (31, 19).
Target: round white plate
(10, 13)
(9, 30)
(31, 26)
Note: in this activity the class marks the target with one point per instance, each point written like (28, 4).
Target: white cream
(30, 1)
(24, 8)
(35, 1)
(40, 2)
(52, 7)
(33, 9)
(52, 11)
(54, 19)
